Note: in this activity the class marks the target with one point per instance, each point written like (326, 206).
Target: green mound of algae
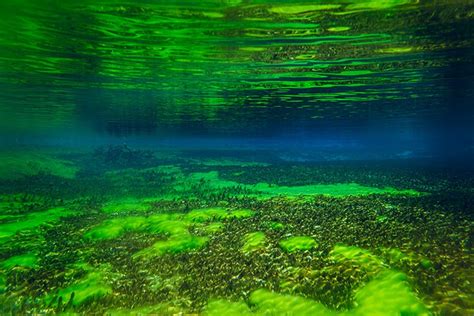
(253, 242)
(388, 293)
(92, 286)
(174, 245)
(174, 225)
(30, 221)
(356, 255)
(296, 243)
(28, 260)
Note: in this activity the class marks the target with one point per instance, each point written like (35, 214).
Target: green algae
(174, 225)
(206, 214)
(223, 307)
(29, 163)
(280, 304)
(93, 286)
(116, 227)
(276, 225)
(216, 214)
(212, 228)
(388, 294)
(253, 242)
(28, 260)
(30, 221)
(296, 243)
(174, 245)
(240, 213)
(337, 190)
(356, 255)
(265, 190)
(158, 309)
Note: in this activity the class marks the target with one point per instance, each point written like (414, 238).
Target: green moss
(253, 241)
(30, 222)
(174, 245)
(92, 286)
(28, 163)
(388, 294)
(28, 260)
(295, 243)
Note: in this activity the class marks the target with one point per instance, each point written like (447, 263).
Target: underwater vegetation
(218, 239)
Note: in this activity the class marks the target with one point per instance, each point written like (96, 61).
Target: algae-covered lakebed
(168, 232)
(237, 157)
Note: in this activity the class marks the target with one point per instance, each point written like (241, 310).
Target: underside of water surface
(236, 157)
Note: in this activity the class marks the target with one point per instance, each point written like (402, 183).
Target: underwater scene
(237, 157)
